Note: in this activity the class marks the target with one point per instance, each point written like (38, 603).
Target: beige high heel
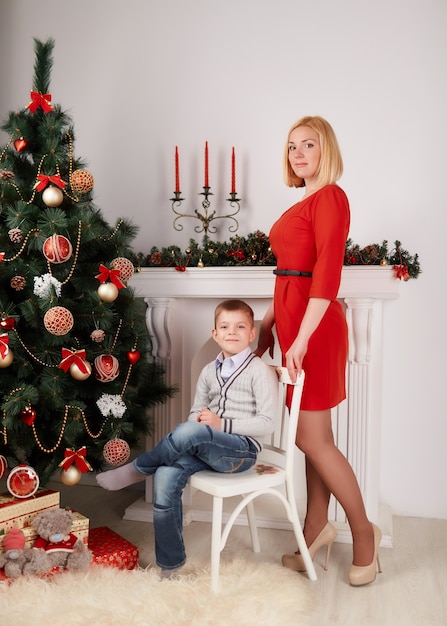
(325, 538)
(363, 575)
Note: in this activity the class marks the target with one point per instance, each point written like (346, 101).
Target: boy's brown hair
(234, 305)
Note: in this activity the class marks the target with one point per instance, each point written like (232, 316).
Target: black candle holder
(206, 217)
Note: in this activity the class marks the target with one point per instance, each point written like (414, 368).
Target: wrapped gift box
(112, 550)
(17, 513)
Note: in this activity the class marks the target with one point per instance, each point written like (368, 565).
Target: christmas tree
(76, 380)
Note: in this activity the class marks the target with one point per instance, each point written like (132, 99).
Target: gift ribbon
(77, 457)
(43, 180)
(4, 348)
(40, 100)
(112, 275)
(73, 357)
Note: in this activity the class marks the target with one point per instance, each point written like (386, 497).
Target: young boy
(234, 406)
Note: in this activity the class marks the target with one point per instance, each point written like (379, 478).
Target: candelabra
(206, 217)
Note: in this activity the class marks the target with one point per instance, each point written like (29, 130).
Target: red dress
(311, 236)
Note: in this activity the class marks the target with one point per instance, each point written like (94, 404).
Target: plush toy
(14, 556)
(56, 545)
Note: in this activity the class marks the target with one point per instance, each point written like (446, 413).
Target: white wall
(142, 76)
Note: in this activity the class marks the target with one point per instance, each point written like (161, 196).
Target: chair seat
(228, 485)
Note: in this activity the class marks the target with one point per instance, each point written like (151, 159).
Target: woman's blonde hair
(330, 168)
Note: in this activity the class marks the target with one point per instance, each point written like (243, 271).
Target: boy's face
(234, 332)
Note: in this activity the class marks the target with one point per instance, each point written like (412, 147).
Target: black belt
(291, 273)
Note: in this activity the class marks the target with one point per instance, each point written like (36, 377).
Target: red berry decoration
(116, 451)
(57, 249)
(107, 368)
(58, 320)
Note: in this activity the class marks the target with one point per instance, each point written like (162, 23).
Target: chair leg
(216, 535)
(251, 516)
(302, 546)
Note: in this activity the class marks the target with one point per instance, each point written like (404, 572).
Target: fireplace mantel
(179, 317)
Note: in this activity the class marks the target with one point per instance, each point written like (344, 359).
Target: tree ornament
(28, 415)
(57, 249)
(18, 283)
(52, 196)
(7, 323)
(80, 373)
(81, 181)
(20, 144)
(106, 368)
(71, 476)
(7, 175)
(3, 465)
(108, 292)
(116, 452)
(6, 354)
(15, 234)
(23, 481)
(97, 335)
(58, 320)
(124, 266)
(133, 356)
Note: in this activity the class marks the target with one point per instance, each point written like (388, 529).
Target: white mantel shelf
(179, 317)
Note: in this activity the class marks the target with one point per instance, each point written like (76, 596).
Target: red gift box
(112, 550)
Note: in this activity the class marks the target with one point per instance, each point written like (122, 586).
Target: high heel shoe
(325, 538)
(363, 575)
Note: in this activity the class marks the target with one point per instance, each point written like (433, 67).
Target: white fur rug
(251, 594)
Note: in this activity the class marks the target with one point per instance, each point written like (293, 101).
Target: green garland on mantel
(254, 250)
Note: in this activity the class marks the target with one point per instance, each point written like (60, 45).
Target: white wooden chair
(278, 453)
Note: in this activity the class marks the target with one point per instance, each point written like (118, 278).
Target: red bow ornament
(4, 348)
(43, 180)
(401, 272)
(70, 357)
(40, 100)
(78, 458)
(112, 275)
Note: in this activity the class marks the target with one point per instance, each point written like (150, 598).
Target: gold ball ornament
(52, 196)
(116, 452)
(76, 373)
(71, 476)
(124, 266)
(7, 359)
(57, 249)
(108, 292)
(82, 181)
(58, 320)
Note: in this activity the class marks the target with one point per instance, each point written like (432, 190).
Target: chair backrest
(279, 447)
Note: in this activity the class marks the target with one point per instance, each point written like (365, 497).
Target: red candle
(233, 172)
(177, 171)
(206, 165)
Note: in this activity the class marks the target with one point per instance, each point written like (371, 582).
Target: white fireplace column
(180, 307)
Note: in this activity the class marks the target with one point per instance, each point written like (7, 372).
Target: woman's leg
(329, 472)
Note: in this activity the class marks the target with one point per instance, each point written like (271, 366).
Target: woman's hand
(294, 357)
(209, 418)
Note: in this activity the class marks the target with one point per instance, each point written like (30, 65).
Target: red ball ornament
(3, 465)
(52, 196)
(5, 361)
(124, 266)
(77, 374)
(81, 181)
(108, 292)
(116, 451)
(57, 249)
(107, 368)
(28, 415)
(58, 320)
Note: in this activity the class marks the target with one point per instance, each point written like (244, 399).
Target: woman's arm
(266, 340)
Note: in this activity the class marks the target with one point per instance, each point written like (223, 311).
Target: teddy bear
(14, 555)
(56, 545)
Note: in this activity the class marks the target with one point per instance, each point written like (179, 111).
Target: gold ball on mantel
(383, 262)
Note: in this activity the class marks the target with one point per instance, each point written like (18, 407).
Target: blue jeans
(191, 447)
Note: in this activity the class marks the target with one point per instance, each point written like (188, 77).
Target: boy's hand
(209, 418)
